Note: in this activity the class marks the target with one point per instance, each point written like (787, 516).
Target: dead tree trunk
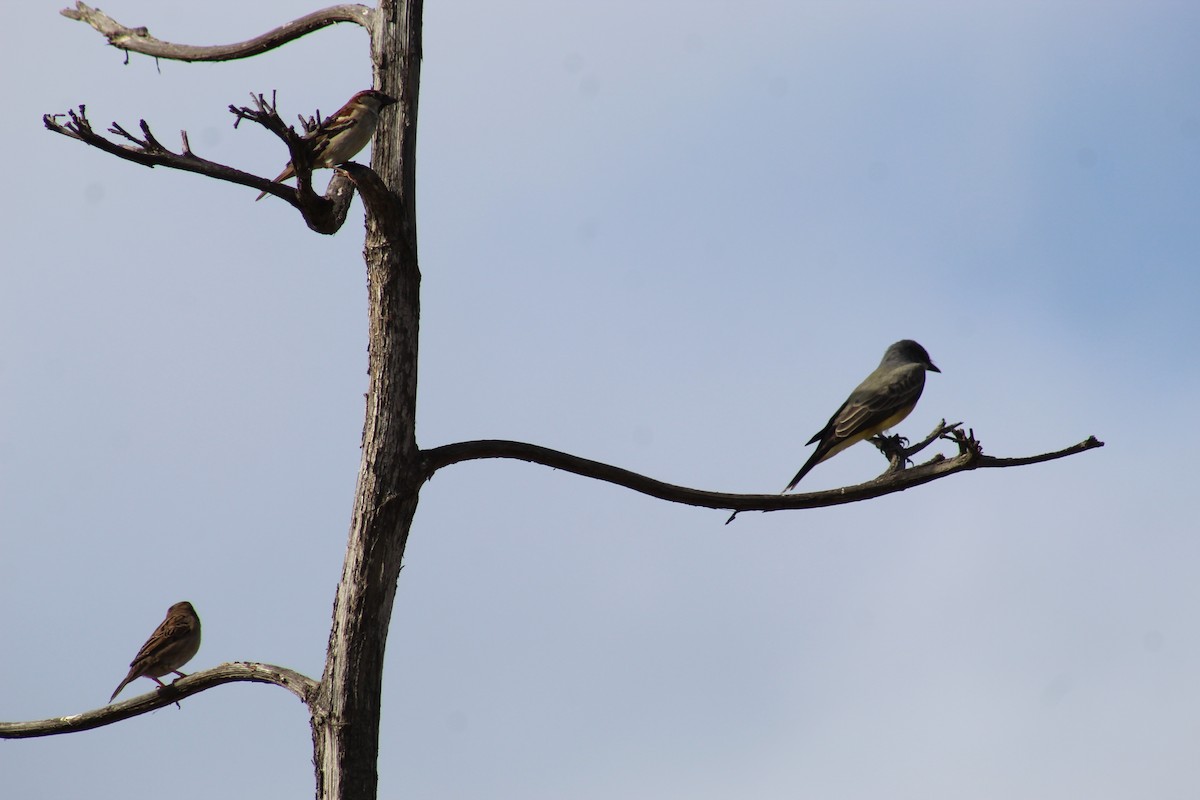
(345, 718)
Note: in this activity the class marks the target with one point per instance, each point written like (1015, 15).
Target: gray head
(906, 351)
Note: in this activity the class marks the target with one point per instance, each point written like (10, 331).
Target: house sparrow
(171, 646)
(341, 136)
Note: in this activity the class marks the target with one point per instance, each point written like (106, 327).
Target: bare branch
(893, 480)
(139, 40)
(267, 115)
(940, 431)
(1087, 444)
(303, 687)
(323, 214)
(898, 456)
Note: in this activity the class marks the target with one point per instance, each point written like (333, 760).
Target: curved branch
(323, 214)
(895, 479)
(385, 210)
(301, 686)
(139, 40)
(382, 206)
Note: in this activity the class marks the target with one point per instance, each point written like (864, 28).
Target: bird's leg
(180, 674)
(889, 445)
(893, 449)
(167, 686)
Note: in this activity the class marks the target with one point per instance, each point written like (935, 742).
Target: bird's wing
(323, 136)
(172, 630)
(337, 123)
(871, 403)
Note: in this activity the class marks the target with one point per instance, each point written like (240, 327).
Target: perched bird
(886, 396)
(339, 137)
(171, 646)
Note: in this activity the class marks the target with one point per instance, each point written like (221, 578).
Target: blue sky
(671, 236)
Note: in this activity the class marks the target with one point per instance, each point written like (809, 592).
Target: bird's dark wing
(174, 629)
(873, 403)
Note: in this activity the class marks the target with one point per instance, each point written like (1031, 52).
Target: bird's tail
(128, 678)
(813, 460)
(288, 172)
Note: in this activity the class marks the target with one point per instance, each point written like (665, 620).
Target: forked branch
(898, 456)
(896, 479)
(139, 40)
(323, 214)
(303, 687)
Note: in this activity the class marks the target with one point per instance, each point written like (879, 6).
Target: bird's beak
(929, 365)
(386, 100)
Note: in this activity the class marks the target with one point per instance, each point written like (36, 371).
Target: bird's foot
(891, 446)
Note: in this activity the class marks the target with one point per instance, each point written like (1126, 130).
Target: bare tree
(344, 704)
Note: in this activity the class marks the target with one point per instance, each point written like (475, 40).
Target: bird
(339, 138)
(882, 400)
(172, 645)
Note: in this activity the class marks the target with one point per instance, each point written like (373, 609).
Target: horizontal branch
(895, 479)
(139, 40)
(303, 687)
(323, 214)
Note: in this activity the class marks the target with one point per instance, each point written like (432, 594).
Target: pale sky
(667, 235)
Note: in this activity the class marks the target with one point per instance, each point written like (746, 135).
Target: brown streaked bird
(171, 646)
(341, 136)
(882, 400)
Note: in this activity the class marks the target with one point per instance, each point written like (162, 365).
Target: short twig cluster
(266, 114)
(899, 454)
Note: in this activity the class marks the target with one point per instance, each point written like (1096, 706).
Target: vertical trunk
(345, 720)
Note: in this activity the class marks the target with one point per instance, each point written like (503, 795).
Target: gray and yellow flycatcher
(886, 396)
